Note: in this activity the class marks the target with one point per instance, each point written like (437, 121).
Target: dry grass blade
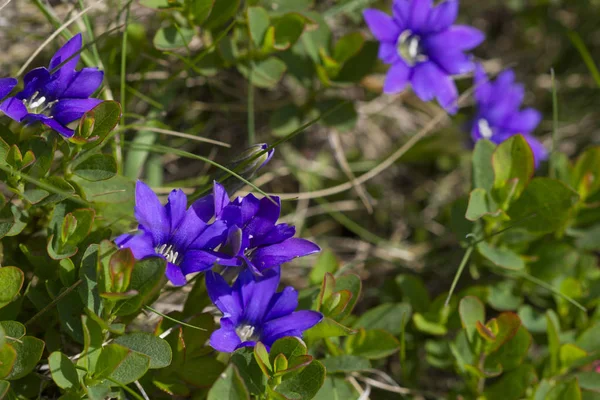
(178, 134)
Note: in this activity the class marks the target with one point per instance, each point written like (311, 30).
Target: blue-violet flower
(57, 95)
(253, 311)
(498, 114)
(183, 236)
(6, 85)
(254, 238)
(424, 48)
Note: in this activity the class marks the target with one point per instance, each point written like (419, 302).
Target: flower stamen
(409, 48)
(484, 128)
(246, 332)
(169, 252)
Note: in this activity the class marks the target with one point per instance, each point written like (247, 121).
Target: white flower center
(484, 128)
(245, 332)
(168, 251)
(409, 48)
(37, 104)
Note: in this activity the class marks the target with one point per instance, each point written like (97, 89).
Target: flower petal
(225, 339)
(381, 25)
(282, 303)
(419, 14)
(13, 108)
(483, 86)
(265, 218)
(197, 261)
(221, 295)
(524, 121)
(296, 321)
(34, 81)
(140, 244)
(6, 86)
(401, 12)
(397, 78)
(277, 234)
(69, 110)
(277, 254)
(388, 53)
(447, 94)
(424, 79)
(175, 275)
(176, 208)
(214, 235)
(457, 37)
(49, 122)
(70, 49)
(83, 83)
(443, 15)
(537, 148)
(151, 214)
(256, 296)
(454, 63)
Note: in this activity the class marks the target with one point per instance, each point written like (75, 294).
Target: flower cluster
(54, 96)
(241, 233)
(426, 50)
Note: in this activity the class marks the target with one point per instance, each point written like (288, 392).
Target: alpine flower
(424, 48)
(57, 95)
(183, 236)
(498, 114)
(254, 238)
(253, 311)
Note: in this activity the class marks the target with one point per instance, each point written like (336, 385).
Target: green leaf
(483, 172)
(111, 356)
(471, 311)
(343, 118)
(328, 328)
(353, 284)
(172, 38)
(29, 352)
(372, 344)
(390, 317)
(291, 347)
(569, 354)
(63, 371)
(145, 278)
(159, 4)
(544, 206)
(512, 353)
(201, 371)
(221, 13)
(85, 221)
(512, 385)
(360, 65)
(589, 340)
(505, 296)
(249, 370)
(11, 281)
(589, 380)
(261, 355)
(336, 388)
(504, 327)
(305, 384)
(586, 173)
(288, 29)
(4, 386)
(156, 348)
(8, 355)
(14, 329)
(513, 168)
(326, 262)
(501, 256)
(258, 23)
(480, 205)
(345, 364)
(132, 368)
(98, 167)
(428, 326)
(229, 386)
(265, 74)
(201, 9)
(348, 46)
(103, 118)
(565, 390)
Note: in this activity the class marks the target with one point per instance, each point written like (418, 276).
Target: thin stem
(54, 302)
(251, 128)
(461, 267)
(554, 125)
(173, 319)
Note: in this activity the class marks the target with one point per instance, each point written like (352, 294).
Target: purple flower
(498, 115)
(6, 85)
(180, 235)
(424, 48)
(253, 311)
(254, 238)
(56, 96)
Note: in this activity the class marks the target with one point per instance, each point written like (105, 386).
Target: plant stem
(54, 302)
